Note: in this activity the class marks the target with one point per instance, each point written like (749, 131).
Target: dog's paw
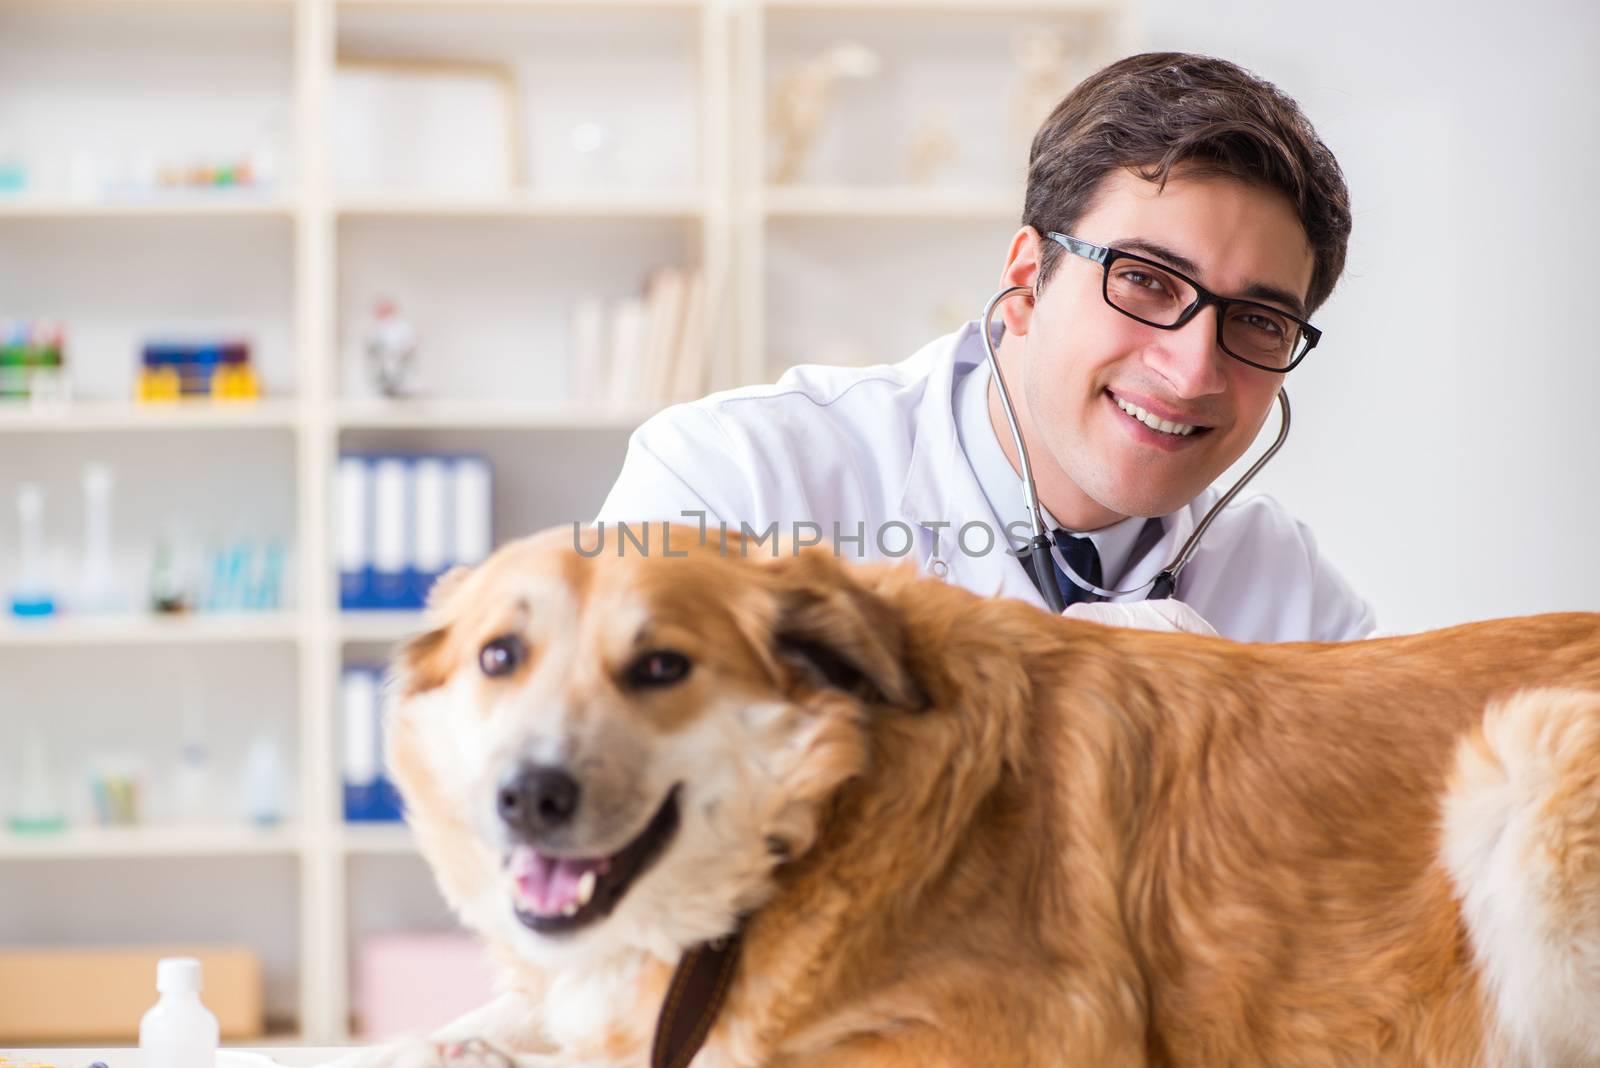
(477, 1053)
(407, 1053)
(424, 1053)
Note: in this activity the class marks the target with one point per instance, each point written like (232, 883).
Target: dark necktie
(1079, 553)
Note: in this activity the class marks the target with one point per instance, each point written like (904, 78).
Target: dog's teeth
(571, 909)
(586, 888)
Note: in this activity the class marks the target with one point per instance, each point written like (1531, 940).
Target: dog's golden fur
(1002, 838)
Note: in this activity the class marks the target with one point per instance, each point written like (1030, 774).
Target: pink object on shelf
(414, 983)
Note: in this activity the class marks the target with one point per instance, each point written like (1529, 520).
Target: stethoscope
(1041, 549)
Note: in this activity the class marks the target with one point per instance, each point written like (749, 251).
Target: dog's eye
(502, 656)
(662, 667)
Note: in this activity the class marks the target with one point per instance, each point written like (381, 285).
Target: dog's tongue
(549, 885)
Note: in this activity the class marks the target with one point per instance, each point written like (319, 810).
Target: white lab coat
(879, 445)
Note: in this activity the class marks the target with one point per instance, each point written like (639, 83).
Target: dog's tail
(1522, 845)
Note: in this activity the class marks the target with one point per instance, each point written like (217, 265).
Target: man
(1182, 223)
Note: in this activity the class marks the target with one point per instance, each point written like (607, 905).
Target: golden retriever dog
(952, 831)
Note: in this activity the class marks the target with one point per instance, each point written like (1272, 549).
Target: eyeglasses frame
(1106, 256)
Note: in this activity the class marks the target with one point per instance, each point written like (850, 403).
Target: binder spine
(369, 795)
(353, 539)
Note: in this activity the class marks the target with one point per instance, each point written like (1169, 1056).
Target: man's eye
(1264, 323)
(1143, 280)
(502, 656)
(660, 667)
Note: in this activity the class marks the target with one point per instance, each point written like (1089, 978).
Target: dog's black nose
(537, 799)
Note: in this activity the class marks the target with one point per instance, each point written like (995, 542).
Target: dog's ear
(841, 634)
(425, 661)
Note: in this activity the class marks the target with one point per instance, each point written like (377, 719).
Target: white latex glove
(1169, 614)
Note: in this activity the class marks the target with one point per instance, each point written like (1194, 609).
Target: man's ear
(425, 661)
(1022, 269)
(839, 634)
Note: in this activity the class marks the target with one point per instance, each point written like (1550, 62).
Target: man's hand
(1169, 614)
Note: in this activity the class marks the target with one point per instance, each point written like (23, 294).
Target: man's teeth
(1183, 430)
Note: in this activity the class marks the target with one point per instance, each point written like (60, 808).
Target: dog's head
(601, 751)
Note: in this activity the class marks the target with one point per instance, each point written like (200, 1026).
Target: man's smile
(1155, 424)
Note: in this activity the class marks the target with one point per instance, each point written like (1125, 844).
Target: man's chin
(1121, 482)
(1148, 486)
(1137, 502)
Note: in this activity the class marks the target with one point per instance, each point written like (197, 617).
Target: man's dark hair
(1154, 111)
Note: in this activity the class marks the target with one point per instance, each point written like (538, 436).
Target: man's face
(1082, 362)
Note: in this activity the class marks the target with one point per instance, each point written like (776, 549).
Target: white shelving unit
(485, 415)
(163, 208)
(109, 416)
(984, 205)
(98, 843)
(562, 205)
(203, 629)
(747, 236)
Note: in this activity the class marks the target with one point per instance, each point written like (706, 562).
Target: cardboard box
(71, 995)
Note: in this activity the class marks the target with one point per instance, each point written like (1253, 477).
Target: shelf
(175, 207)
(843, 202)
(582, 6)
(154, 841)
(222, 4)
(377, 840)
(543, 204)
(93, 416)
(289, 1048)
(199, 629)
(484, 415)
(379, 626)
(1075, 8)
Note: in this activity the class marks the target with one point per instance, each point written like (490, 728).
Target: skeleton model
(391, 346)
(933, 147)
(1046, 71)
(800, 101)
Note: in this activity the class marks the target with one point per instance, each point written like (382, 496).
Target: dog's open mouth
(559, 894)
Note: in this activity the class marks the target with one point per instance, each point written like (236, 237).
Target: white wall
(1445, 446)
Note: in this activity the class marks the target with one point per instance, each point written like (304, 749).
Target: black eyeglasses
(1257, 334)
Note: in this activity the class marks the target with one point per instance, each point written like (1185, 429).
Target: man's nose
(1190, 359)
(536, 799)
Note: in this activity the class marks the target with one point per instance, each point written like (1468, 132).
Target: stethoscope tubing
(1042, 548)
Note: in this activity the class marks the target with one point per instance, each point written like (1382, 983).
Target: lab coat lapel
(941, 488)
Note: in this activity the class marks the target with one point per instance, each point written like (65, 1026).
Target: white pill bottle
(179, 1032)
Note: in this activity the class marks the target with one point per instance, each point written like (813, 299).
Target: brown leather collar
(695, 996)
